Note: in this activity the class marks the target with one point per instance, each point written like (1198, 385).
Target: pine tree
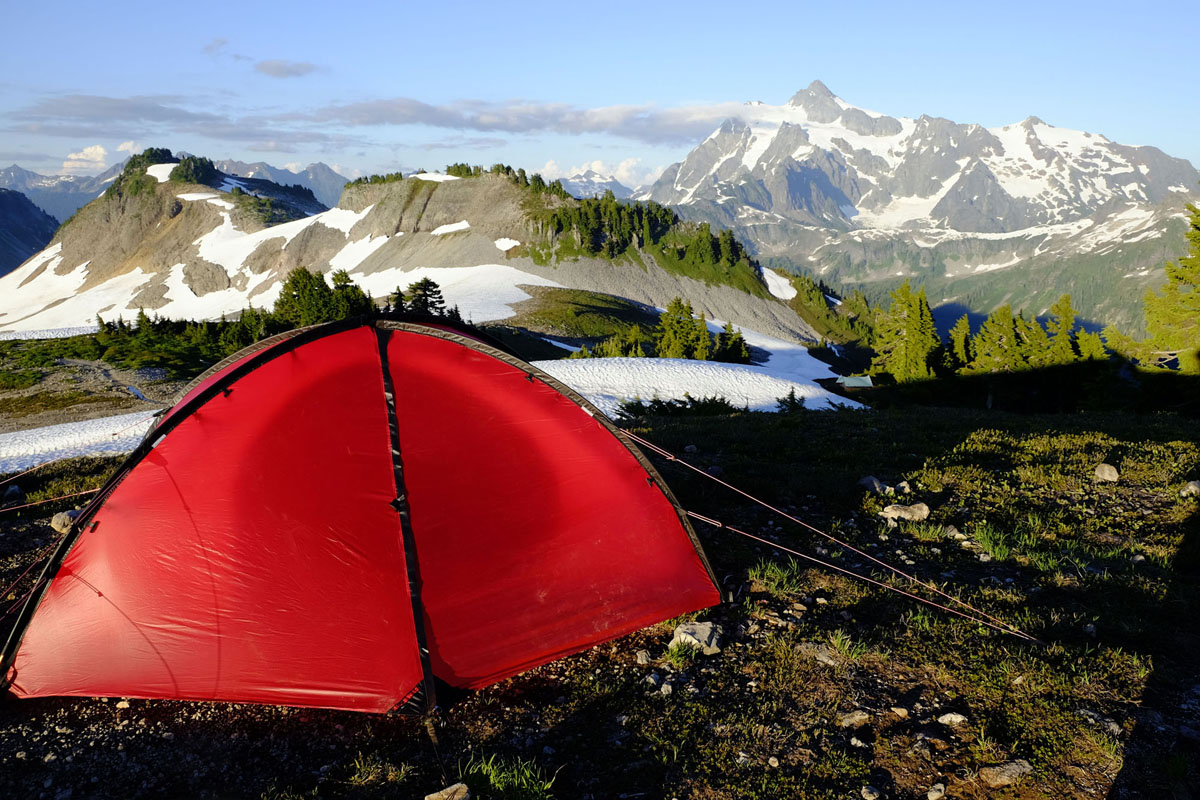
(1091, 346)
(424, 297)
(997, 345)
(674, 337)
(305, 299)
(702, 341)
(961, 353)
(1173, 316)
(1062, 323)
(1034, 344)
(731, 346)
(905, 337)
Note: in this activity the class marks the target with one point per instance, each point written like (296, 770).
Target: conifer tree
(960, 343)
(673, 338)
(424, 297)
(305, 299)
(1091, 346)
(702, 341)
(1034, 344)
(1062, 323)
(731, 346)
(905, 337)
(997, 345)
(1173, 313)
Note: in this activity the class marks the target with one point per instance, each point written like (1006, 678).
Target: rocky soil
(818, 686)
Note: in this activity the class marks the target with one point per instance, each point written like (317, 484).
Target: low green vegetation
(133, 180)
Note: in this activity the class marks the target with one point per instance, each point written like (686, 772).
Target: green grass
(575, 313)
(38, 402)
(506, 778)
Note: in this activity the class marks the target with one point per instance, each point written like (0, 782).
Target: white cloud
(90, 159)
(294, 166)
(130, 147)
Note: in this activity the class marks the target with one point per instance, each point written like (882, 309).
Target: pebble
(666, 689)
(936, 792)
(643, 657)
(900, 711)
(857, 742)
(952, 719)
(772, 762)
(1138, 559)
(123, 704)
(985, 557)
(870, 793)
(1107, 473)
(854, 719)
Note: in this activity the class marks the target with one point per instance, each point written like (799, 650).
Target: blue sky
(379, 87)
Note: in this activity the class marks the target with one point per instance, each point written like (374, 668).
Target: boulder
(702, 636)
(917, 512)
(873, 484)
(63, 520)
(1005, 774)
(1107, 473)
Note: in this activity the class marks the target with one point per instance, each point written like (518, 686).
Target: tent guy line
(995, 621)
(722, 526)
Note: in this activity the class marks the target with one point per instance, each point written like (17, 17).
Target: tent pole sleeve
(402, 509)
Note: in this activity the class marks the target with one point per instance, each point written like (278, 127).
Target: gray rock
(1107, 473)
(854, 719)
(702, 636)
(952, 719)
(936, 792)
(870, 793)
(458, 791)
(914, 513)
(63, 520)
(1005, 774)
(13, 494)
(652, 680)
(772, 762)
(666, 689)
(643, 657)
(1190, 489)
(903, 488)
(1138, 559)
(873, 484)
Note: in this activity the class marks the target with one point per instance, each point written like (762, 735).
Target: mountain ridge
(860, 199)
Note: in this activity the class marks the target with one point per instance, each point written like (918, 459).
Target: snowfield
(607, 382)
(105, 436)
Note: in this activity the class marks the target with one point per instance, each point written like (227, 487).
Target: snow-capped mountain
(593, 184)
(60, 196)
(856, 196)
(319, 178)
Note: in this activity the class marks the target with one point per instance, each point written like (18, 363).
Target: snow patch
(354, 253)
(778, 285)
(506, 244)
(160, 172)
(453, 227)
(482, 293)
(436, 177)
(342, 219)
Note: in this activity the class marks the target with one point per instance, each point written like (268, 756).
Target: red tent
(337, 516)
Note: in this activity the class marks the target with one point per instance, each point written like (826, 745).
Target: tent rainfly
(343, 516)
